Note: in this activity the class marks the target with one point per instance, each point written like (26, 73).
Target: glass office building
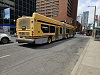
(10, 10)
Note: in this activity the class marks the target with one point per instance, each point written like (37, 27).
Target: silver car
(4, 38)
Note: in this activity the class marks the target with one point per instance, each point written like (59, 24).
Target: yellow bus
(40, 29)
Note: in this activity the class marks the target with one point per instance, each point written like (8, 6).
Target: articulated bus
(40, 29)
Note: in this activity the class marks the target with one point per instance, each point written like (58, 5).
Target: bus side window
(52, 29)
(60, 30)
(45, 28)
(67, 30)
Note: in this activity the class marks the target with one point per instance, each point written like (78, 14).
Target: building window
(48, 6)
(55, 8)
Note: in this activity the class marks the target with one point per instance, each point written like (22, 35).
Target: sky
(7, 13)
(83, 6)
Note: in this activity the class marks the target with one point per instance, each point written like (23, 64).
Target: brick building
(62, 10)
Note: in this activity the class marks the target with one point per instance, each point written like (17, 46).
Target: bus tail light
(32, 34)
(16, 33)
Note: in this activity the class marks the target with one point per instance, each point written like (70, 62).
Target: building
(79, 19)
(79, 27)
(85, 18)
(62, 10)
(10, 10)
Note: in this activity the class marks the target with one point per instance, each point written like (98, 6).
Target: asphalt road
(57, 58)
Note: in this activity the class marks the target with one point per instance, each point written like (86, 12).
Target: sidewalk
(89, 61)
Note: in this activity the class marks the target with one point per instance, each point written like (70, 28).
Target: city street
(57, 58)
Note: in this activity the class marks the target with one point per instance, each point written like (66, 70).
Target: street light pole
(94, 16)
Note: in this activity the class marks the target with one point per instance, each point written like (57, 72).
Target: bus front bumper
(22, 40)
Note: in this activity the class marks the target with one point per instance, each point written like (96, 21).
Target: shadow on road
(44, 46)
(7, 43)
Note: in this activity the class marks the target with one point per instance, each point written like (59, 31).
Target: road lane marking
(4, 56)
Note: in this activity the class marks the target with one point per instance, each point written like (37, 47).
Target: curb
(77, 66)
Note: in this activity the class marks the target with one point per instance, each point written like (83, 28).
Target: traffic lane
(19, 53)
(10, 42)
(33, 53)
(15, 47)
(8, 49)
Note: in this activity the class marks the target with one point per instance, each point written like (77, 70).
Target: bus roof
(69, 26)
(24, 17)
(46, 19)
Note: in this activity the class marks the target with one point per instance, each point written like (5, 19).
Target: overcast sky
(83, 6)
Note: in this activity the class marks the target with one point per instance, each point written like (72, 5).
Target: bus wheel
(73, 36)
(4, 40)
(49, 40)
(67, 36)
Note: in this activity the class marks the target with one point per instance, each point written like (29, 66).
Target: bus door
(57, 32)
(64, 30)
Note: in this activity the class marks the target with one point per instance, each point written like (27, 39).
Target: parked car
(4, 38)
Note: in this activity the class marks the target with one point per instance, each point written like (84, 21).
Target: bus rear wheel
(73, 36)
(49, 40)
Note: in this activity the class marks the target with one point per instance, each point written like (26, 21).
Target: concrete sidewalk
(89, 61)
